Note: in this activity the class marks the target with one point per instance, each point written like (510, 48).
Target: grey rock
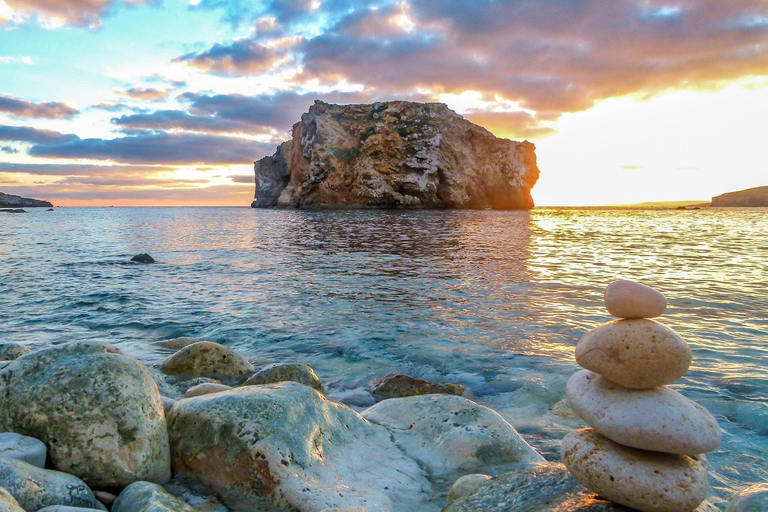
(23, 448)
(143, 258)
(281, 372)
(10, 351)
(35, 488)
(750, 499)
(3, 364)
(539, 488)
(8, 503)
(148, 497)
(465, 485)
(207, 359)
(64, 508)
(167, 404)
(205, 389)
(13, 210)
(399, 386)
(98, 411)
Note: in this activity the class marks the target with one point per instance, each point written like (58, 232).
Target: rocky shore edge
(85, 427)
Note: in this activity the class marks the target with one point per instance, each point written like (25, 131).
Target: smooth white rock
(628, 299)
(205, 389)
(23, 448)
(658, 419)
(465, 485)
(8, 503)
(448, 433)
(750, 499)
(638, 354)
(640, 479)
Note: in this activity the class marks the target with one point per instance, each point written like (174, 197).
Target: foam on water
(492, 300)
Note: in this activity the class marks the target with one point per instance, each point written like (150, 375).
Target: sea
(493, 300)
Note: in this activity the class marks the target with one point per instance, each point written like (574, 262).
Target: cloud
(82, 169)
(239, 12)
(242, 57)
(26, 109)
(145, 93)
(34, 135)
(8, 149)
(16, 60)
(247, 178)
(54, 13)
(510, 124)
(180, 120)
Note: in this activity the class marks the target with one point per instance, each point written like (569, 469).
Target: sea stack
(645, 448)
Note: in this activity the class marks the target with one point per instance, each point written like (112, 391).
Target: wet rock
(10, 351)
(750, 499)
(207, 359)
(628, 299)
(286, 445)
(148, 497)
(465, 485)
(638, 354)
(143, 258)
(167, 403)
(399, 386)
(8, 503)
(98, 411)
(281, 372)
(539, 488)
(35, 488)
(13, 210)
(446, 433)
(658, 419)
(24, 448)
(205, 388)
(644, 480)
(177, 343)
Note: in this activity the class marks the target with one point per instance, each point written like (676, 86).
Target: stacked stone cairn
(645, 447)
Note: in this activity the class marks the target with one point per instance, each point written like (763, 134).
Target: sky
(169, 102)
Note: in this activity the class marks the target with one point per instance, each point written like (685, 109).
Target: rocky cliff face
(395, 154)
(757, 196)
(7, 200)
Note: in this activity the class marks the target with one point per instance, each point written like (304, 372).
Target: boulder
(281, 372)
(628, 299)
(23, 448)
(205, 388)
(98, 411)
(8, 503)
(207, 359)
(465, 485)
(658, 419)
(750, 499)
(286, 445)
(167, 403)
(447, 433)
(143, 258)
(395, 154)
(148, 497)
(35, 488)
(399, 386)
(538, 488)
(644, 480)
(638, 354)
(10, 351)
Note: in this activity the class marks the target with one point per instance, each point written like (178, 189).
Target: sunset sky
(169, 102)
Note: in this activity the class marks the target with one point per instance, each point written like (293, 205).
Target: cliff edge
(395, 154)
(757, 196)
(8, 200)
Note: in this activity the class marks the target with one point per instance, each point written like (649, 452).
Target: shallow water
(493, 300)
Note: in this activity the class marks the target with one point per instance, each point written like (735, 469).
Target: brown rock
(399, 386)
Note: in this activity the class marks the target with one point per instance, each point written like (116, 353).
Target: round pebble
(637, 354)
(628, 299)
(24, 448)
(643, 480)
(465, 485)
(658, 419)
(205, 389)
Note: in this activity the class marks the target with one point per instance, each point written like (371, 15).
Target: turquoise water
(492, 300)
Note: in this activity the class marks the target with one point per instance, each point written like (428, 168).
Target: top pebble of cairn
(628, 299)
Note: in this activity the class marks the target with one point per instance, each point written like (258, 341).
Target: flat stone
(281, 372)
(465, 485)
(643, 480)
(658, 419)
(750, 499)
(98, 411)
(447, 433)
(10, 351)
(206, 388)
(148, 497)
(399, 386)
(637, 354)
(539, 488)
(8, 503)
(628, 299)
(35, 488)
(23, 448)
(286, 445)
(207, 359)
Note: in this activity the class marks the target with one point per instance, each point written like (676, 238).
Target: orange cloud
(65, 12)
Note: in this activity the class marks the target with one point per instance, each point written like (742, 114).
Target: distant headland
(751, 197)
(11, 201)
(395, 154)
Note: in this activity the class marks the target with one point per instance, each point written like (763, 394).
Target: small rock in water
(143, 258)
(12, 210)
(148, 497)
(399, 386)
(628, 299)
(658, 419)
(644, 480)
(206, 389)
(751, 499)
(10, 351)
(282, 372)
(24, 448)
(637, 354)
(207, 359)
(8, 503)
(465, 485)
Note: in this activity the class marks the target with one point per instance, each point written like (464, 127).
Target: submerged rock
(98, 411)
(148, 497)
(281, 372)
(750, 499)
(24, 448)
(10, 351)
(395, 154)
(286, 445)
(35, 488)
(399, 386)
(207, 359)
(13, 210)
(446, 433)
(143, 258)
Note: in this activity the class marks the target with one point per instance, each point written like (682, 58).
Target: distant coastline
(11, 201)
